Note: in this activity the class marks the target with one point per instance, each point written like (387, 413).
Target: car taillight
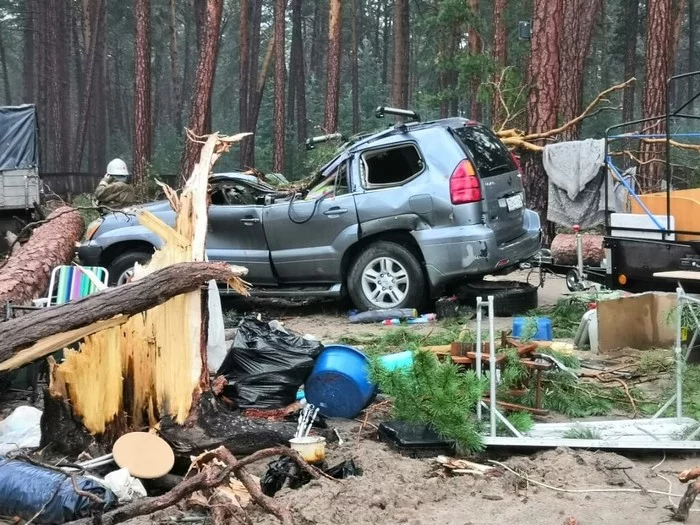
(464, 184)
(516, 161)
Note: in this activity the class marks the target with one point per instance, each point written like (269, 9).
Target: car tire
(509, 297)
(123, 263)
(392, 263)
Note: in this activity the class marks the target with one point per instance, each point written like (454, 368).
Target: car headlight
(92, 228)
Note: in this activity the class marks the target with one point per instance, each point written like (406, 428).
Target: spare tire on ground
(509, 297)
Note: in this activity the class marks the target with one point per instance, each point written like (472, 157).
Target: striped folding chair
(69, 283)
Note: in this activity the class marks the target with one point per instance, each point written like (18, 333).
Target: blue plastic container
(339, 383)
(402, 360)
(544, 328)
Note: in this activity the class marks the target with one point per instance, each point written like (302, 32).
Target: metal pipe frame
(478, 350)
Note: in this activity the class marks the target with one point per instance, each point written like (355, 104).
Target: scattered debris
(285, 473)
(376, 316)
(459, 467)
(126, 487)
(20, 430)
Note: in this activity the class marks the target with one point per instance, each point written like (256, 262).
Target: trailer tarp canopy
(18, 137)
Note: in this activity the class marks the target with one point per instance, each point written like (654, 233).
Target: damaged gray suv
(395, 218)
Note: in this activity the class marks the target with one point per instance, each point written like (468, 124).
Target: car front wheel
(122, 268)
(386, 275)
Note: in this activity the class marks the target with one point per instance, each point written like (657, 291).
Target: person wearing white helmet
(114, 189)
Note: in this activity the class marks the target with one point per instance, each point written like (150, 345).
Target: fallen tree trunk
(25, 275)
(683, 510)
(129, 299)
(563, 250)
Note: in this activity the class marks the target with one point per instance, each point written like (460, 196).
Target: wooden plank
(683, 275)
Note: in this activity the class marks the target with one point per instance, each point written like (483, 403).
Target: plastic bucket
(339, 383)
(311, 448)
(399, 361)
(544, 328)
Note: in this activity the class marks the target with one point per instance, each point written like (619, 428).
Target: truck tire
(121, 265)
(386, 275)
(509, 297)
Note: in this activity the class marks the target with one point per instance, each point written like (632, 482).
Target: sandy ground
(327, 320)
(395, 490)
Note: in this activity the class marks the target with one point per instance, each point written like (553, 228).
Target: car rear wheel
(386, 275)
(122, 268)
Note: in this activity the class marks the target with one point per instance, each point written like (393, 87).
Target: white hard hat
(117, 167)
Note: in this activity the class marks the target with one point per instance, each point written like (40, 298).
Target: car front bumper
(89, 254)
(472, 251)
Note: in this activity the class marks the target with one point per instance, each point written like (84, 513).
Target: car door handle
(335, 211)
(249, 221)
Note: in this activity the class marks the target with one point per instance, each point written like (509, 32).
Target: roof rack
(382, 111)
(311, 142)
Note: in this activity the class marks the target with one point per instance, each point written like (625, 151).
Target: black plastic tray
(414, 440)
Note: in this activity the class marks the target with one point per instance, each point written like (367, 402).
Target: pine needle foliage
(436, 393)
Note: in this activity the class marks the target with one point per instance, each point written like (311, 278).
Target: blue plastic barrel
(402, 360)
(544, 328)
(339, 383)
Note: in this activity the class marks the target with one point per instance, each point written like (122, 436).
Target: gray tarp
(576, 182)
(18, 137)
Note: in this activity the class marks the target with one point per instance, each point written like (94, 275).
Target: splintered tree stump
(26, 274)
(215, 425)
(563, 250)
(60, 429)
(130, 299)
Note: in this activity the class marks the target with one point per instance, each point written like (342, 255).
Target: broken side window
(391, 166)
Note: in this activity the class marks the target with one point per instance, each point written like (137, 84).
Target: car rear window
(490, 155)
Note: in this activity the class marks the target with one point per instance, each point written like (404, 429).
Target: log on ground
(214, 425)
(564, 250)
(130, 299)
(26, 274)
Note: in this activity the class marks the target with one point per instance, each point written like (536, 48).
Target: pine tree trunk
(542, 100)
(631, 17)
(386, 37)
(98, 133)
(677, 12)
(299, 78)
(333, 70)
(474, 49)
(28, 57)
(203, 82)
(142, 91)
(290, 107)
(691, 52)
(200, 16)
(42, 49)
(355, 69)
(78, 60)
(279, 116)
(244, 66)
(399, 92)
(248, 143)
(579, 19)
(175, 68)
(500, 55)
(657, 71)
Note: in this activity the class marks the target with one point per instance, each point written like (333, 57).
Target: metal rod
(505, 421)
(679, 359)
(579, 253)
(492, 367)
(479, 305)
(664, 408)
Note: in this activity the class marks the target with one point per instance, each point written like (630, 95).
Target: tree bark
(175, 68)
(26, 274)
(28, 57)
(279, 128)
(686, 502)
(500, 55)
(657, 71)
(5, 74)
(129, 299)
(248, 144)
(474, 49)
(677, 12)
(244, 68)
(203, 83)
(355, 69)
(386, 37)
(399, 92)
(78, 52)
(333, 70)
(564, 249)
(142, 92)
(631, 18)
(579, 19)
(300, 75)
(98, 125)
(542, 100)
(691, 52)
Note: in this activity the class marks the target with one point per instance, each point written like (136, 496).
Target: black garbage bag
(285, 472)
(265, 367)
(27, 489)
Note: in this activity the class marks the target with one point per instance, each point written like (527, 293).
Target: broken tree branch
(683, 510)
(205, 479)
(130, 299)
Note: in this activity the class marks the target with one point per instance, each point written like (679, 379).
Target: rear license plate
(515, 202)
